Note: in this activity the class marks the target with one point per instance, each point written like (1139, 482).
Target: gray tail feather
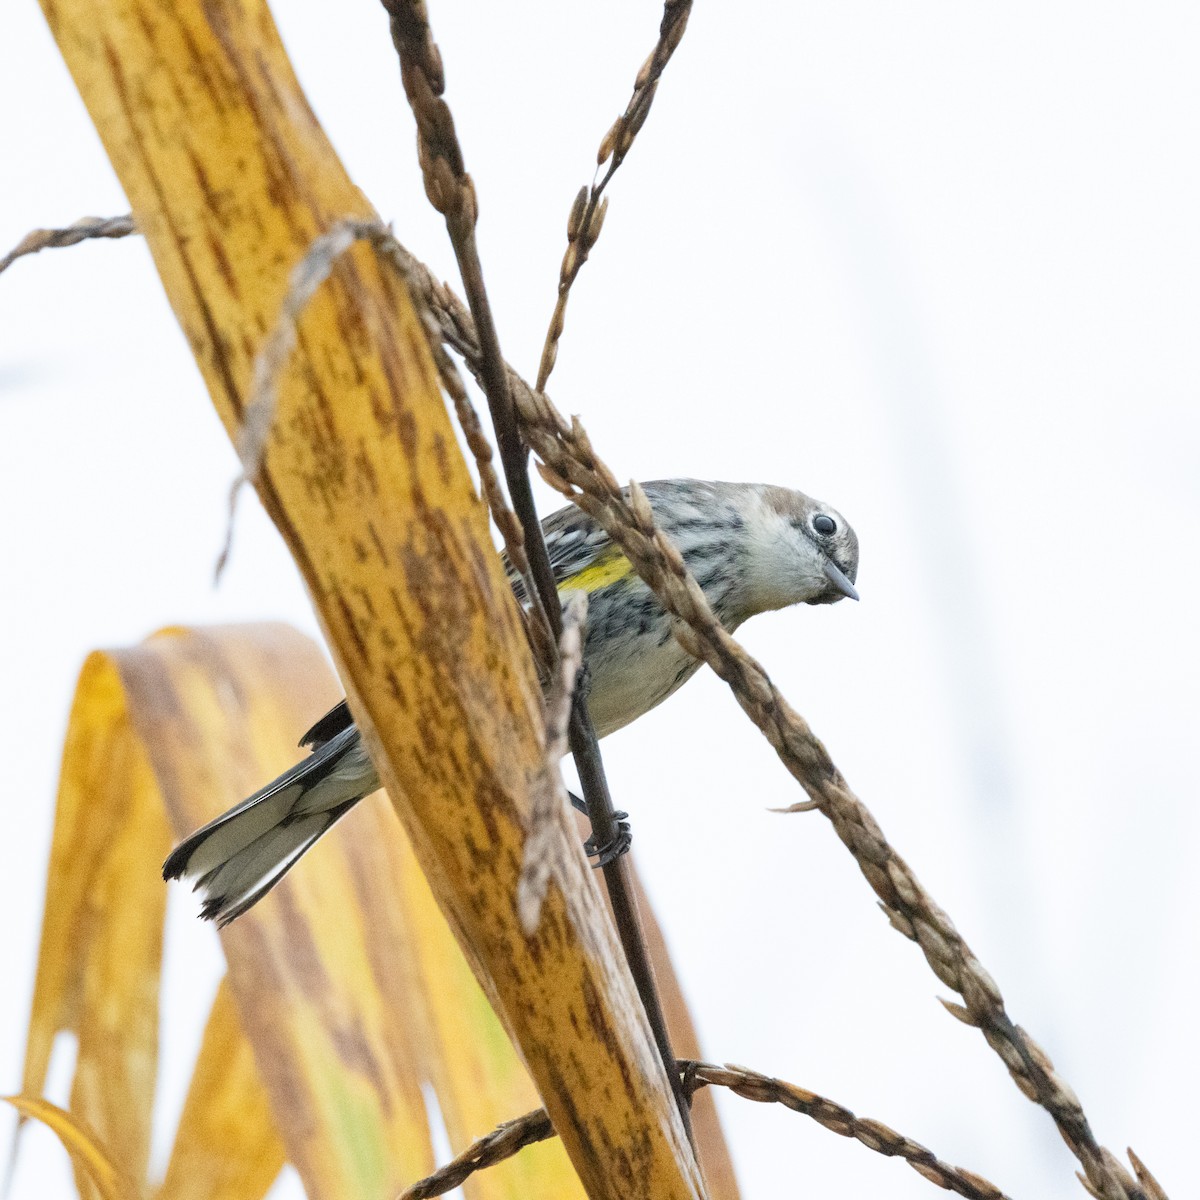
(236, 859)
(240, 883)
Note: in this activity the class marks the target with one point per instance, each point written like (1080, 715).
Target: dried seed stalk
(308, 275)
(550, 796)
(452, 193)
(574, 469)
(80, 231)
(588, 210)
(506, 1140)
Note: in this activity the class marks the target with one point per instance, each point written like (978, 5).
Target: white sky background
(938, 264)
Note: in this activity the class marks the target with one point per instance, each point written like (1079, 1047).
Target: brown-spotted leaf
(478, 1078)
(231, 178)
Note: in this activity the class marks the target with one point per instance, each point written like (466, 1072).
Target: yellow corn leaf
(200, 720)
(209, 715)
(231, 178)
(91, 1160)
(317, 971)
(227, 1146)
(101, 949)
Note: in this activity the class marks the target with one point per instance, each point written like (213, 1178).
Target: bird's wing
(574, 542)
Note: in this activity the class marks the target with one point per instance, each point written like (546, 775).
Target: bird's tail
(236, 859)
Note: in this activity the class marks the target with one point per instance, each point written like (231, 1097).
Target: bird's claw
(614, 849)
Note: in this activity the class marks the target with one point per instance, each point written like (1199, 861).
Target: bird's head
(801, 552)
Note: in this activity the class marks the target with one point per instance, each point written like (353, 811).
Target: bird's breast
(633, 659)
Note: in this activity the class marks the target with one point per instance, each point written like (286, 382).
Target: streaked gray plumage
(751, 547)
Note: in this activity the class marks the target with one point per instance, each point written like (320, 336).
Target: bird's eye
(824, 525)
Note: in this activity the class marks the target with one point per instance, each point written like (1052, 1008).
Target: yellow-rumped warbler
(752, 547)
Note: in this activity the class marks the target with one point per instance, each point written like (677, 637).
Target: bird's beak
(839, 580)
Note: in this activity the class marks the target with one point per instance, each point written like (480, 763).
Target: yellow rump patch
(611, 566)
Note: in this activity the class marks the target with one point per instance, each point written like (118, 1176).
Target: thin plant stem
(451, 191)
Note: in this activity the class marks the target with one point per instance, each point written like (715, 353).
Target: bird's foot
(614, 849)
(620, 843)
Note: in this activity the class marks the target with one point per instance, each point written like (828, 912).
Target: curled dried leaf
(89, 1156)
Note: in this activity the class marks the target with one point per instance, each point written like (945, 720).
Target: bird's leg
(618, 846)
(624, 837)
(583, 684)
